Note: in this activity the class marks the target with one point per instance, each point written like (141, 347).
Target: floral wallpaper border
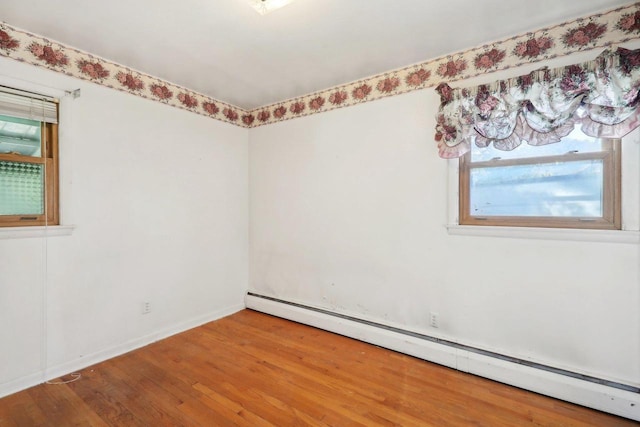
(596, 31)
(592, 32)
(36, 50)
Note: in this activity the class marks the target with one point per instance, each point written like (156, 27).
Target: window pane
(21, 188)
(575, 141)
(563, 189)
(20, 136)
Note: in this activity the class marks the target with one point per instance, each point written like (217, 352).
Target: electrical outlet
(433, 319)
(146, 307)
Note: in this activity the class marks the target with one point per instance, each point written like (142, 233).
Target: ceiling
(224, 49)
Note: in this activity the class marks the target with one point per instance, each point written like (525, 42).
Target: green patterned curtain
(21, 188)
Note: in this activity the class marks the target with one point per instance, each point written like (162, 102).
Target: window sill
(27, 232)
(607, 236)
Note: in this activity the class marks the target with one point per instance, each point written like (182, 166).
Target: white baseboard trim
(597, 396)
(56, 371)
(21, 383)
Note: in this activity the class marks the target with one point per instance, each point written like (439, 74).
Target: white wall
(159, 198)
(347, 213)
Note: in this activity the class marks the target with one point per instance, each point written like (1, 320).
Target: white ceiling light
(265, 6)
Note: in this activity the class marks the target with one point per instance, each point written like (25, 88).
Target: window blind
(28, 105)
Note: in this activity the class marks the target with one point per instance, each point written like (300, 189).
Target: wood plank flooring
(250, 369)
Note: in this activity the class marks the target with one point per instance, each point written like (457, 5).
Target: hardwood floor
(250, 369)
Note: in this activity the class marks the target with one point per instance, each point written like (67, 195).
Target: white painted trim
(28, 232)
(108, 353)
(606, 236)
(20, 384)
(597, 396)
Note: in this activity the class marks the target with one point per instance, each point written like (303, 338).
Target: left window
(28, 159)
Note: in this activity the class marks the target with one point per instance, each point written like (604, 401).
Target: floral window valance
(542, 107)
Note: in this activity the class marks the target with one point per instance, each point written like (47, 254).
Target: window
(28, 159)
(571, 184)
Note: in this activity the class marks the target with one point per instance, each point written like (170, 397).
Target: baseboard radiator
(597, 393)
